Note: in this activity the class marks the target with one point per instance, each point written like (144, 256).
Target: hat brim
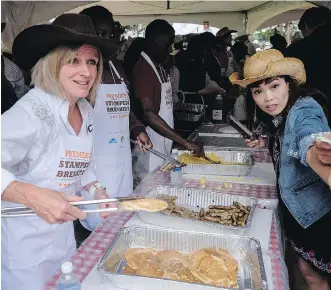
(288, 66)
(227, 33)
(37, 41)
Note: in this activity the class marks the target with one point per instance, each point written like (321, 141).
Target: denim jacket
(305, 194)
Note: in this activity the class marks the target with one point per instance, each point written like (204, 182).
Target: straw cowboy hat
(225, 31)
(37, 41)
(269, 63)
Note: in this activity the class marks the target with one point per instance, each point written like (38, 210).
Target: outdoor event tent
(244, 16)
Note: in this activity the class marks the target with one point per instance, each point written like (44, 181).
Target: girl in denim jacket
(290, 116)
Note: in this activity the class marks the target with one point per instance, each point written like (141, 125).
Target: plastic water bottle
(218, 110)
(174, 154)
(176, 176)
(68, 280)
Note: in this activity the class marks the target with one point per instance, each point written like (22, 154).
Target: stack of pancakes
(208, 266)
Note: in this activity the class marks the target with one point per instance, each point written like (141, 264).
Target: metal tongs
(157, 153)
(210, 160)
(22, 211)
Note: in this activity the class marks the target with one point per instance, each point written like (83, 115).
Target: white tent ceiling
(244, 16)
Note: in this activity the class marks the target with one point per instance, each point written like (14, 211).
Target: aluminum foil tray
(246, 250)
(243, 157)
(189, 112)
(195, 200)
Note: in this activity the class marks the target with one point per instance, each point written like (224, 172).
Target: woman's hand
(143, 139)
(256, 143)
(323, 152)
(53, 206)
(101, 194)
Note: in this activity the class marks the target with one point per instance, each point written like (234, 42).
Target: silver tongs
(22, 211)
(157, 153)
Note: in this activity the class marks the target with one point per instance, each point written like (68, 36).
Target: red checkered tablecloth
(98, 242)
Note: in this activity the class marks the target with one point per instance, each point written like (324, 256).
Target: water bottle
(174, 154)
(68, 280)
(218, 110)
(176, 176)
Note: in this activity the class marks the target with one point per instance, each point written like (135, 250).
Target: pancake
(167, 255)
(146, 204)
(129, 271)
(139, 257)
(150, 269)
(214, 267)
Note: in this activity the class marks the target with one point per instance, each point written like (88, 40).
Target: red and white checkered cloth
(98, 242)
(258, 191)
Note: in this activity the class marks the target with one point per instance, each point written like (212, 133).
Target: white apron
(111, 139)
(160, 143)
(32, 250)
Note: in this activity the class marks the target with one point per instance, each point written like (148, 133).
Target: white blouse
(29, 129)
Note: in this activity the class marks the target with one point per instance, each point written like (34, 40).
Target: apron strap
(147, 58)
(217, 60)
(113, 69)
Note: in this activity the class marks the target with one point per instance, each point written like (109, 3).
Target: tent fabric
(244, 16)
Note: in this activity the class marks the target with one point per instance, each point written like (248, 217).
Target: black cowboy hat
(68, 29)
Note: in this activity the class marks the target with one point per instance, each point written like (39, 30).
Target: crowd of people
(66, 132)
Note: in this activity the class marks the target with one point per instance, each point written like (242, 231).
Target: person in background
(240, 51)
(11, 73)
(303, 181)
(245, 40)
(46, 149)
(132, 54)
(278, 42)
(114, 121)
(314, 49)
(212, 64)
(118, 30)
(153, 94)
(8, 95)
(225, 56)
(193, 73)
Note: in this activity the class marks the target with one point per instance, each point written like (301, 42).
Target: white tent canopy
(244, 16)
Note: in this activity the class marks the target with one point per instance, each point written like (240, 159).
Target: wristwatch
(93, 189)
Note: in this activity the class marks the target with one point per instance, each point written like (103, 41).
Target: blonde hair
(45, 74)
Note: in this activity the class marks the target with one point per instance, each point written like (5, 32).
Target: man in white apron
(113, 119)
(153, 95)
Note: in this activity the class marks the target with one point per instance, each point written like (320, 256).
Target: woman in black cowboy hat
(47, 145)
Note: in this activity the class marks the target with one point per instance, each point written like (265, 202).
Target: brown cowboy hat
(37, 41)
(225, 31)
(269, 63)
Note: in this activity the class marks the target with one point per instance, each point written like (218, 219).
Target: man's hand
(323, 152)
(143, 139)
(196, 147)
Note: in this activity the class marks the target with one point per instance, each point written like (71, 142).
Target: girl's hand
(256, 143)
(323, 152)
